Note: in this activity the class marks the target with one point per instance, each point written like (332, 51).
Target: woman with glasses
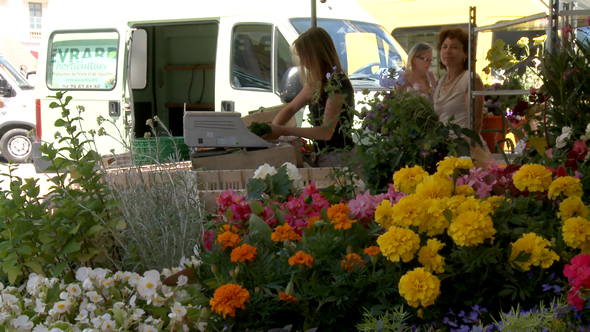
(418, 74)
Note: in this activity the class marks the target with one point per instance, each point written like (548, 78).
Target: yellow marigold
(245, 252)
(383, 214)
(284, 233)
(435, 222)
(471, 228)
(567, 186)
(448, 165)
(229, 228)
(419, 287)
(429, 257)
(435, 187)
(301, 258)
(476, 205)
(338, 215)
(572, 207)
(287, 298)
(228, 239)
(532, 177)
(228, 298)
(535, 245)
(464, 190)
(399, 243)
(408, 211)
(495, 201)
(372, 250)
(452, 203)
(406, 179)
(352, 262)
(576, 232)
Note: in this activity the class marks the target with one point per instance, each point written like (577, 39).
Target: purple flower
(547, 287)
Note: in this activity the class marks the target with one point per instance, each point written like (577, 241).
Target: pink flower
(588, 20)
(208, 239)
(578, 273)
(549, 153)
(566, 30)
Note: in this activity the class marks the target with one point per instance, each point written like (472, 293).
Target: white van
(138, 61)
(17, 116)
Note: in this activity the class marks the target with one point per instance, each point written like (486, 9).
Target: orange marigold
(301, 258)
(283, 233)
(228, 239)
(352, 262)
(372, 251)
(229, 228)
(338, 215)
(245, 252)
(312, 221)
(228, 298)
(288, 298)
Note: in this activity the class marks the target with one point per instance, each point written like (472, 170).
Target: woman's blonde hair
(317, 56)
(417, 50)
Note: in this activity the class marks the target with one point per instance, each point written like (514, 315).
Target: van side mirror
(290, 85)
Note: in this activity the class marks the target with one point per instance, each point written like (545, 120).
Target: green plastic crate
(161, 149)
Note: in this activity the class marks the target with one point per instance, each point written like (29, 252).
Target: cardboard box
(275, 156)
(267, 117)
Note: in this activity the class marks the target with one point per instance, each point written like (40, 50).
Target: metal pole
(472, 42)
(314, 16)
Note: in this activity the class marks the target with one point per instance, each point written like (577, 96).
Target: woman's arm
(323, 132)
(478, 105)
(287, 112)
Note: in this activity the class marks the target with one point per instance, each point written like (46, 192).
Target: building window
(35, 11)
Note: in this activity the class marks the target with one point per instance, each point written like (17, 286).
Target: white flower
(97, 321)
(82, 273)
(147, 328)
(118, 275)
(137, 313)
(33, 283)
(55, 329)
(40, 328)
(82, 315)
(87, 284)
(566, 132)
(9, 299)
(61, 306)
(263, 171)
(132, 301)
(148, 284)
(107, 282)
(166, 273)
(179, 310)
(202, 326)
(94, 296)
(520, 145)
(132, 278)
(167, 291)
(22, 323)
(158, 300)
(40, 308)
(74, 289)
(108, 325)
(292, 171)
(181, 295)
(182, 280)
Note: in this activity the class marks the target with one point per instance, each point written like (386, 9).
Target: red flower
(574, 299)
(577, 153)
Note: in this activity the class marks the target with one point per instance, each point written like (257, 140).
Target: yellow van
(414, 21)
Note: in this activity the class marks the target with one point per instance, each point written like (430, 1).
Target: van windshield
(15, 75)
(365, 49)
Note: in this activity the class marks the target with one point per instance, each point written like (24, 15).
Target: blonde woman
(330, 113)
(418, 74)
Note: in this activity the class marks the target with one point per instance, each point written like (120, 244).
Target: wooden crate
(247, 160)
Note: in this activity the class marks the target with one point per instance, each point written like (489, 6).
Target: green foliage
(277, 187)
(399, 129)
(76, 224)
(500, 56)
(260, 128)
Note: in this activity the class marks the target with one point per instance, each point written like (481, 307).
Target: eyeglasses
(424, 59)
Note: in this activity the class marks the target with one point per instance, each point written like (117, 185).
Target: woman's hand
(275, 133)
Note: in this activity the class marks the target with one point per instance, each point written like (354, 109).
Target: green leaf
(93, 230)
(71, 247)
(75, 229)
(448, 215)
(118, 314)
(256, 207)
(26, 250)
(35, 266)
(258, 225)
(14, 273)
(57, 271)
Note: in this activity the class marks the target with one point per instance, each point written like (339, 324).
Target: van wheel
(16, 146)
